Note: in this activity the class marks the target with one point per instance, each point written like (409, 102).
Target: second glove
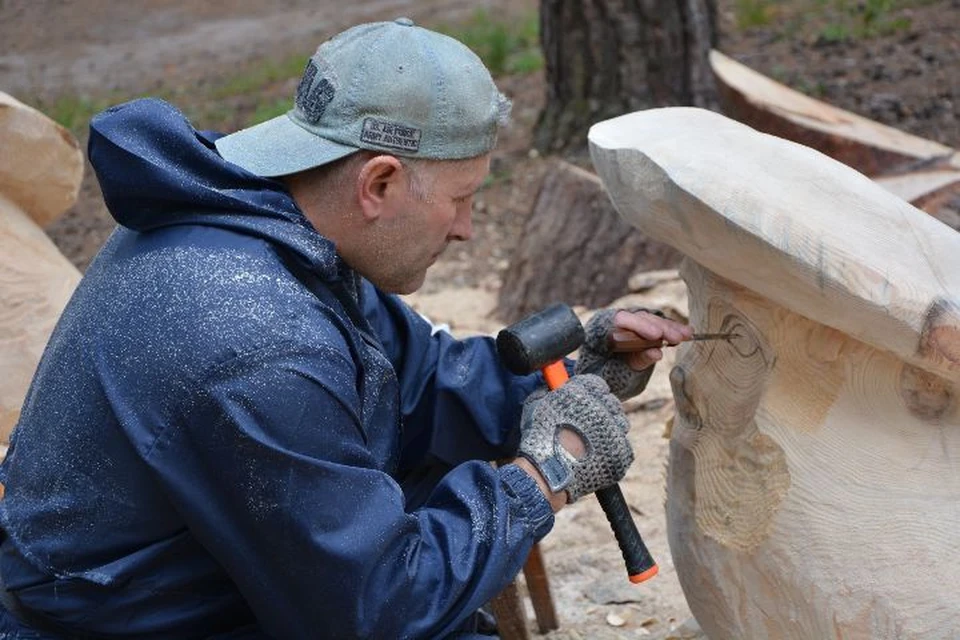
(585, 406)
(595, 357)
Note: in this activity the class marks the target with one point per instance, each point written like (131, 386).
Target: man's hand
(627, 373)
(575, 437)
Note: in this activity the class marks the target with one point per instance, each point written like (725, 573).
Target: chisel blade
(623, 341)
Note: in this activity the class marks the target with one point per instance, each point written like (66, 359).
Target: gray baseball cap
(385, 86)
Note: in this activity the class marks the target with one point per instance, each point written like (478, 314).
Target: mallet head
(540, 339)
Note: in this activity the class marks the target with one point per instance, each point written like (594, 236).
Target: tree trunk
(575, 248)
(609, 57)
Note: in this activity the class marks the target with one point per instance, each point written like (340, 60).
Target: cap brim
(279, 147)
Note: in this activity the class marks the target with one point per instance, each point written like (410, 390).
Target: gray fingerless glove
(595, 357)
(584, 405)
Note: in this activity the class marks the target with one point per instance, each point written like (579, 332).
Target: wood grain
(805, 231)
(35, 283)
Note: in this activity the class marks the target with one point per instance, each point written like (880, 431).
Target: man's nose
(463, 224)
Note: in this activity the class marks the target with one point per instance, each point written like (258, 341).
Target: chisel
(623, 341)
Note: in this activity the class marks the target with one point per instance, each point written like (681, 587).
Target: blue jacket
(231, 433)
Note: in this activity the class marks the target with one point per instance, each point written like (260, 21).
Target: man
(237, 429)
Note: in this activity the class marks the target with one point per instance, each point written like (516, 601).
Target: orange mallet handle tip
(646, 575)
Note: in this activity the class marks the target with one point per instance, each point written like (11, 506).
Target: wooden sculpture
(41, 166)
(813, 488)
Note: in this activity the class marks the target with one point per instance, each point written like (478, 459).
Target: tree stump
(40, 171)
(575, 248)
(814, 471)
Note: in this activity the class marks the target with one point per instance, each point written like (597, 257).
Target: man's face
(434, 210)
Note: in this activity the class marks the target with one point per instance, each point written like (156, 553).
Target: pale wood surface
(927, 190)
(814, 476)
(40, 171)
(807, 232)
(41, 163)
(35, 283)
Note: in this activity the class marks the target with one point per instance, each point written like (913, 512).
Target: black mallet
(539, 342)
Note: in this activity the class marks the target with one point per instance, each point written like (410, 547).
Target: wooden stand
(508, 605)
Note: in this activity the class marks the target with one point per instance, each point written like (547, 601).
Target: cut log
(574, 248)
(814, 470)
(866, 145)
(41, 163)
(35, 279)
(927, 190)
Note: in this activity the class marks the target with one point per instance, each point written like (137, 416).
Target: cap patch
(313, 95)
(390, 135)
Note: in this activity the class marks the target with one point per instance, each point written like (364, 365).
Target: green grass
(271, 109)
(256, 78)
(506, 45)
(829, 21)
(753, 13)
(72, 111)
(206, 105)
(865, 19)
(834, 32)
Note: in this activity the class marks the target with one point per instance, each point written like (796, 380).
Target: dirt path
(101, 46)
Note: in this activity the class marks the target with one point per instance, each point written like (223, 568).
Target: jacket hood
(156, 170)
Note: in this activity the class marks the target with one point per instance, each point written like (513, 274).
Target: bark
(575, 248)
(609, 57)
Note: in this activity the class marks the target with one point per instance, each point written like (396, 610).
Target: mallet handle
(640, 564)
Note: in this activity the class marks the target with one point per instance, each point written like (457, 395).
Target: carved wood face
(810, 475)
(741, 474)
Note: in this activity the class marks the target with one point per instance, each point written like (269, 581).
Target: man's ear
(379, 182)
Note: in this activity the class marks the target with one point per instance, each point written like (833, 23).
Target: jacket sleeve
(458, 403)
(269, 467)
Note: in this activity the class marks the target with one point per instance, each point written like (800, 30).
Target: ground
(896, 64)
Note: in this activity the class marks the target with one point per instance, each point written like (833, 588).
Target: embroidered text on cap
(313, 94)
(390, 135)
